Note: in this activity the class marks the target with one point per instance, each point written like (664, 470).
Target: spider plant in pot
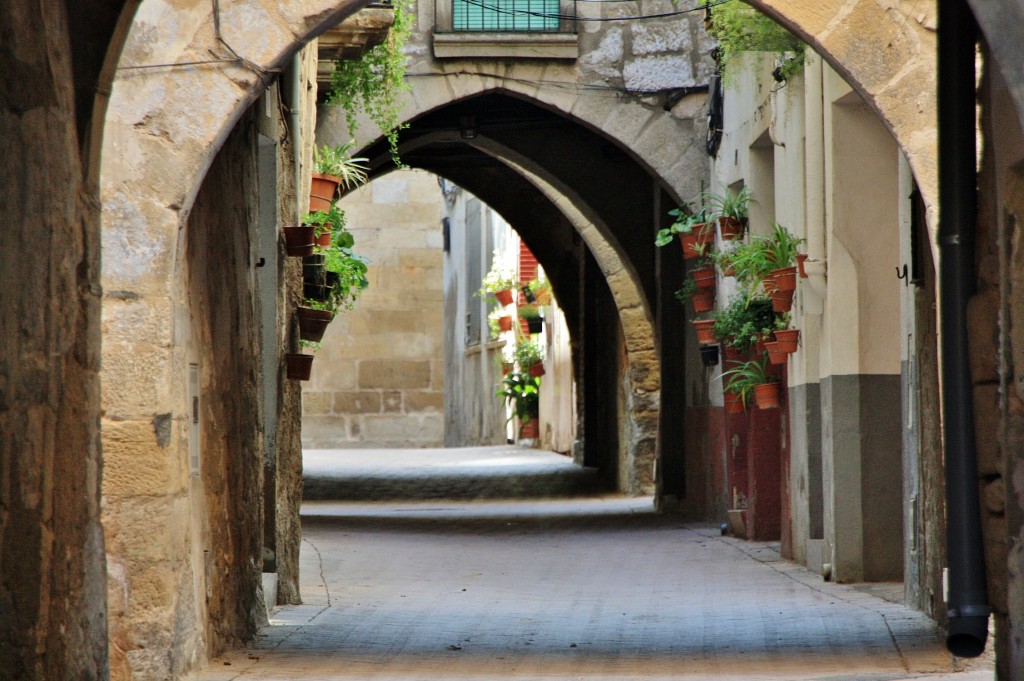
(781, 250)
(754, 376)
(732, 209)
(334, 168)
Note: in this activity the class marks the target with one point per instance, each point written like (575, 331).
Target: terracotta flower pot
(505, 323)
(700, 236)
(784, 279)
(298, 366)
(734, 403)
(704, 278)
(529, 429)
(775, 355)
(782, 301)
(507, 367)
(766, 395)
(731, 228)
(537, 369)
(705, 331)
(504, 297)
(313, 323)
(324, 239)
(322, 190)
(703, 300)
(298, 240)
(788, 339)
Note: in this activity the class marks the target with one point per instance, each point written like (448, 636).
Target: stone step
(505, 472)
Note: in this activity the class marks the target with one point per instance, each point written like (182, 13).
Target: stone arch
(177, 95)
(887, 54)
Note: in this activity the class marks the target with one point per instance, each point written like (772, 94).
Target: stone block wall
(378, 379)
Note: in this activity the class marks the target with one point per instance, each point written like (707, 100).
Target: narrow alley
(567, 588)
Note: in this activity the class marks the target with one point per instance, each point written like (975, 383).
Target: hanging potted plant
(499, 323)
(732, 209)
(533, 318)
(333, 168)
(754, 377)
(529, 357)
(788, 339)
(522, 393)
(781, 250)
(313, 320)
(746, 319)
(703, 273)
(499, 282)
(326, 224)
(703, 300)
(541, 290)
(705, 331)
(693, 231)
(298, 366)
(298, 240)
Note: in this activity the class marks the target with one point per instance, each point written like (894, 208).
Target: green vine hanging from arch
(738, 27)
(375, 82)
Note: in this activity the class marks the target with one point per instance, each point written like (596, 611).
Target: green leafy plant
(332, 220)
(522, 392)
(744, 320)
(530, 312)
(337, 161)
(528, 354)
(351, 269)
(311, 345)
(751, 262)
(685, 222)
(541, 290)
(739, 28)
(686, 291)
(375, 82)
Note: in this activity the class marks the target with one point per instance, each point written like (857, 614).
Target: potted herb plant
(747, 318)
(533, 318)
(326, 224)
(703, 299)
(529, 358)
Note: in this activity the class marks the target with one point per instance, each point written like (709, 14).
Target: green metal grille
(505, 15)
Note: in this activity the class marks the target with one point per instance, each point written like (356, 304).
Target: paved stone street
(596, 588)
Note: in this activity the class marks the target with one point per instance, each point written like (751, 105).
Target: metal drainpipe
(294, 112)
(967, 598)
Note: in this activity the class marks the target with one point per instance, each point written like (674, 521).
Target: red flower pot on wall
(766, 395)
(788, 339)
(537, 369)
(784, 279)
(505, 323)
(313, 323)
(704, 278)
(504, 297)
(322, 190)
(703, 300)
(298, 366)
(705, 331)
(775, 355)
(731, 228)
(734, 404)
(298, 240)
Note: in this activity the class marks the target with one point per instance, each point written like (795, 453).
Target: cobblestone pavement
(594, 589)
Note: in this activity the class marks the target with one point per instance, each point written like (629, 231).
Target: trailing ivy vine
(738, 27)
(375, 82)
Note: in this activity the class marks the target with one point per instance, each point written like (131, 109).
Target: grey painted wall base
(863, 474)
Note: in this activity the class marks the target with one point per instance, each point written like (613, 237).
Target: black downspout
(967, 599)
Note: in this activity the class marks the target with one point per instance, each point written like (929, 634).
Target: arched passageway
(596, 247)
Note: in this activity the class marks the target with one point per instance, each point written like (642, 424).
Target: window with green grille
(505, 15)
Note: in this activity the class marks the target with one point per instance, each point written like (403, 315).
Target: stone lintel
(506, 45)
